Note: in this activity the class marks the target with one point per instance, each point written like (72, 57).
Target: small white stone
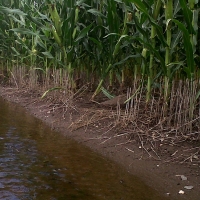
(196, 157)
(183, 178)
(181, 192)
(188, 187)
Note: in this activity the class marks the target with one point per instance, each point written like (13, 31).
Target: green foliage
(50, 90)
(154, 38)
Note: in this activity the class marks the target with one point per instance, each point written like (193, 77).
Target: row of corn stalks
(108, 43)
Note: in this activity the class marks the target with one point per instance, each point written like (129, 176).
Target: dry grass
(148, 124)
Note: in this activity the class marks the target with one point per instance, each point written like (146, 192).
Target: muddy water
(37, 163)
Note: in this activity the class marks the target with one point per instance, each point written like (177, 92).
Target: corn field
(151, 46)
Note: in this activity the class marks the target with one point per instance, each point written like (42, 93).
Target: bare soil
(163, 167)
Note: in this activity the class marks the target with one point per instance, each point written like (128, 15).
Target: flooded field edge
(38, 163)
(161, 178)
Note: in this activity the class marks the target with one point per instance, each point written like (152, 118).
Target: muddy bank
(163, 176)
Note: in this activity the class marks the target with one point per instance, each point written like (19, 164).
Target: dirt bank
(90, 124)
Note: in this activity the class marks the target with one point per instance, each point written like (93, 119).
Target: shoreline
(162, 177)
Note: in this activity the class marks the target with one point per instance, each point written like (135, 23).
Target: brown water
(37, 163)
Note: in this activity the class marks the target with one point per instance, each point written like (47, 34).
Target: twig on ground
(170, 160)
(142, 145)
(190, 157)
(192, 149)
(174, 153)
(129, 150)
(105, 140)
(156, 153)
(122, 143)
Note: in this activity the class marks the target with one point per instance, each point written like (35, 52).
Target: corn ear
(56, 18)
(56, 36)
(76, 14)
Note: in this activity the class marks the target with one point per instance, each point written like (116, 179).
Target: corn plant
(111, 44)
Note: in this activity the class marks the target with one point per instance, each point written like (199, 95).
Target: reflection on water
(37, 163)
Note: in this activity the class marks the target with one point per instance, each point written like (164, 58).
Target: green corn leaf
(17, 53)
(110, 34)
(117, 46)
(181, 63)
(41, 43)
(83, 33)
(154, 51)
(98, 43)
(37, 21)
(195, 19)
(24, 31)
(175, 66)
(50, 90)
(112, 17)
(187, 16)
(107, 93)
(187, 46)
(81, 3)
(175, 40)
(96, 12)
(48, 55)
(43, 17)
(197, 96)
(159, 33)
(119, 1)
(125, 59)
(4, 22)
(11, 11)
(139, 27)
(66, 31)
(135, 93)
(188, 72)
(140, 5)
(176, 7)
(21, 21)
(39, 68)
